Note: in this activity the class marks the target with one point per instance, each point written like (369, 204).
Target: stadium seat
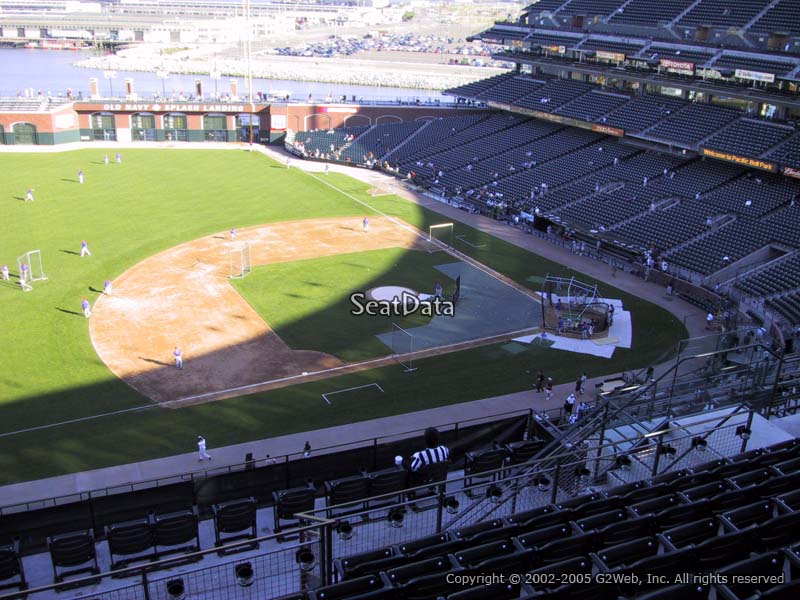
(661, 565)
(576, 503)
(368, 563)
(235, 520)
(287, 503)
(495, 591)
(618, 533)
(176, 532)
(682, 514)
(132, 541)
(780, 531)
(422, 579)
(787, 591)
(762, 565)
(387, 481)
(468, 533)
(558, 550)
(677, 592)
(791, 499)
(542, 519)
(645, 493)
(692, 533)
(745, 516)
(708, 490)
(601, 505)
(779, 485)
(656, 504)
(627, 553)
(545, 535)
(733, 499)
(72, 553)
(753, 477)
(669, 477)
(722, 550)
(548, 576)
(522, 517)
(522, 451)
(370, 587)
(347, 490)
(787, 467)
(495, 557)
(11, 565)
(600, 520)
(476, 464)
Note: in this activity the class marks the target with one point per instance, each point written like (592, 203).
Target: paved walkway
(170, 469)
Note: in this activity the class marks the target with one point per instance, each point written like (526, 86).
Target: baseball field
(79, 393)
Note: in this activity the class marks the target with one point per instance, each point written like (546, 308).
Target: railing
(451, 430)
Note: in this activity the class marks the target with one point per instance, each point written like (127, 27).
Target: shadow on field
(95, 290)
(154, 361)
(20, 198)
(71, 180)
(71, 252)
(69, 312)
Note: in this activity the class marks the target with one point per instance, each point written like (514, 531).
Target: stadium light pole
(249, 67)
(110, 75)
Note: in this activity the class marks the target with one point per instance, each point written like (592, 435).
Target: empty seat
(677, 592)
(756, 513)
(131, 541)
(387, 481)
(235, 520)
(476, 464)
(791, 499)
(600, 520)
(617, 533)
(558, 550)
(695, 532)
(733, 499)
(545, 535)
(787, 591)
(72, 553)
(707, 490)
(371, 587)
(367, 563)
(495, 591)
(287, 503)
(522, 517)
(422, 579)
(656, 504)
(722, 550)
(578, 502)
(779, 531)
(628, 553)
(789, 466)
(469, 532)
(645, 493)
(521, 452)
(548, 576)
(753, 477)
(556, 517)
(682, 514)
(347, 490)
(657, 566)
(12, 573)
(779, 485)
(770, 564)
(434, 545)
(176, 532)
(495, 557)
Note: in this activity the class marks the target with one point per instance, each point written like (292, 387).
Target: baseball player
(327, 168)
(5, 272)
(178, 354)
(288, 162)
(233, 234)
(201, 449)
(105, 159)
(87, 311)
(80, 176)
(119, 158)
(23, 278)
(107, 287)
(29, 195)
(365, 224)
(437, 291)
(85, 249)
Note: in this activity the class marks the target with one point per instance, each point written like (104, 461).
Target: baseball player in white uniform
(85, 249)
(201, 449)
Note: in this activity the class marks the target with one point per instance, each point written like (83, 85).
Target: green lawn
(160, 198)
(315, 312)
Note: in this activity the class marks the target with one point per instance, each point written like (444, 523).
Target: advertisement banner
(791, 172)
(754, 75)
(614, 56)
(677, 66)
(277, 122)
(741, 160)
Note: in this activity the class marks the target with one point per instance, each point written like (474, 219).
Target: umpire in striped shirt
(434, 452)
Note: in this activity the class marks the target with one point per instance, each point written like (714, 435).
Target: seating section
(784, 16)
(697, 56)
(643, 112)
(377, 141)
(612, 45)
(553, 94)
(723, 13)
(747, 137)
(666, 227)
(511, 89)
(788, 152)
(728, 244)
(647, 12)
(730, 61)
(737, 523)
(326, 143)
(693, 123)
(592, 106)
(472, 90)
(589, 8)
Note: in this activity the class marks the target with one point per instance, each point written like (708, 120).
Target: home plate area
(619, 335)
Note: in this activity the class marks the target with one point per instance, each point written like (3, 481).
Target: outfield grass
(315, 312)
(158, 199)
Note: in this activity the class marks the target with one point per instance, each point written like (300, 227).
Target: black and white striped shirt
(429, 456)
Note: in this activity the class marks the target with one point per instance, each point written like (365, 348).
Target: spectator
(433, 453)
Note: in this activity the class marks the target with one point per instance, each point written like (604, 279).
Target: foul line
(358, 387)
(463, 239)
(452, 251)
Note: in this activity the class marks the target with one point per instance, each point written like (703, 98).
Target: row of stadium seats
(781, 16)
(654, 116)
(734, 516)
